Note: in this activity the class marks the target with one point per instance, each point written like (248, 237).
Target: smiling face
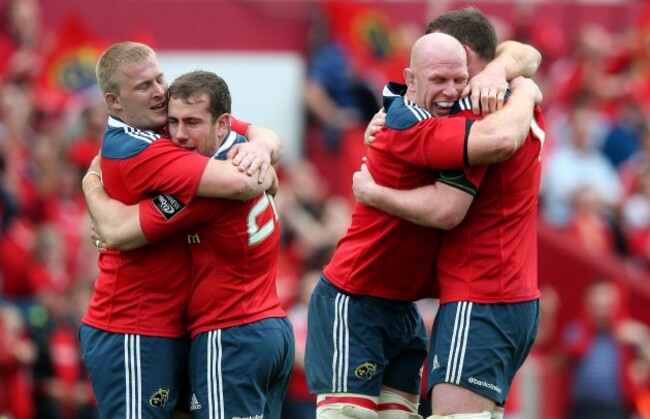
(141, 101)
(191, 125)
(438, 73)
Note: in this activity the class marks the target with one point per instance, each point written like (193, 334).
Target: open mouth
(158, 107)
(444, 105)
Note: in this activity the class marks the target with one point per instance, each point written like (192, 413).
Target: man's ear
(223, 122)
(409, 77)
(112, 102)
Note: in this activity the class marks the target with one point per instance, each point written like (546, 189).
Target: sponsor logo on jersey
(167, 205)
(366, 370)
(159, 398)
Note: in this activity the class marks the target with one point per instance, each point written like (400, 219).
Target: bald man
(366, 340)
(486, 265)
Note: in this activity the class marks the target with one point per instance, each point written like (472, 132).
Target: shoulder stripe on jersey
(144, 135)
(228, 142)
(458, 343)
(465, 103)
(419, 113)
(537, 131)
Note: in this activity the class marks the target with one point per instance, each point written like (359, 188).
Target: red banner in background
(70, 67)
(378, 48)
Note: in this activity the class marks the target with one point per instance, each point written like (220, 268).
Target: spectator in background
(600, 347)
(577, 164)
(17, 355)
(633, 169)
(24, 41)
(624, 136)
(591, 69)
(7, 204)
(590, 222)
(340, 102)
(312, 219)
(635, 219)
(299, 403)
(63, 389)
(86, 146)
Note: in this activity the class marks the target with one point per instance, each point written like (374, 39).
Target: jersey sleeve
(165, 167)
(468, 180)
(164, 214)
(240, 127)
(436, 143)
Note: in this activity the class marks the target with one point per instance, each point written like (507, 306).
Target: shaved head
(437, 49)
(438, 72)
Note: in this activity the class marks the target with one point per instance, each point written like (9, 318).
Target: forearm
(516, 59)
(266, 139)
(117, 223)
(499, 135)
(221, 179)
(427, 206)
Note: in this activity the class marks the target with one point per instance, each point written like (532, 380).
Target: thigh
(481, 346)
(352, 341)
(406, 349)
(241, 371)
(132, 375)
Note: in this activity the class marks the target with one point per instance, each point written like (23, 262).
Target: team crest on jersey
(366, 370)
(167, 205)
(159, 398)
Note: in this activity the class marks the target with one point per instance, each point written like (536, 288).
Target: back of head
(471, 28)
(111, 61)
(190, 86)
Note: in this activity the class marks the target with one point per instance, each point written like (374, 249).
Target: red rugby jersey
(234, 247)
(385, 256)
(145, 291)
(491, 257)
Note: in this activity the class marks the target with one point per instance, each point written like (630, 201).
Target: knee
(483, 415)
(395, 406)
(346, 406)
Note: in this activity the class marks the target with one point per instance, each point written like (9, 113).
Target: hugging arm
(488, 87)
(437, 205)
(117, 224)
(497, 136)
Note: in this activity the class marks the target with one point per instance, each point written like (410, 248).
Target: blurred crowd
(596, 187)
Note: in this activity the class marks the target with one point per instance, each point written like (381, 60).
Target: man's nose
(181, 133)
(451, 89)
(159, 89)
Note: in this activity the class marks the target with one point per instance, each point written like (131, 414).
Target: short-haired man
(242, 347)
(133, 333)
(486, 266)
(366, 339)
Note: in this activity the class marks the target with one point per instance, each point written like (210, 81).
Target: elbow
(443, 219)
(449, 220)
(114, 241)
(508, 144)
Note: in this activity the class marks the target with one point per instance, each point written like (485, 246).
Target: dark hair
(193, 84)
(470, 27)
